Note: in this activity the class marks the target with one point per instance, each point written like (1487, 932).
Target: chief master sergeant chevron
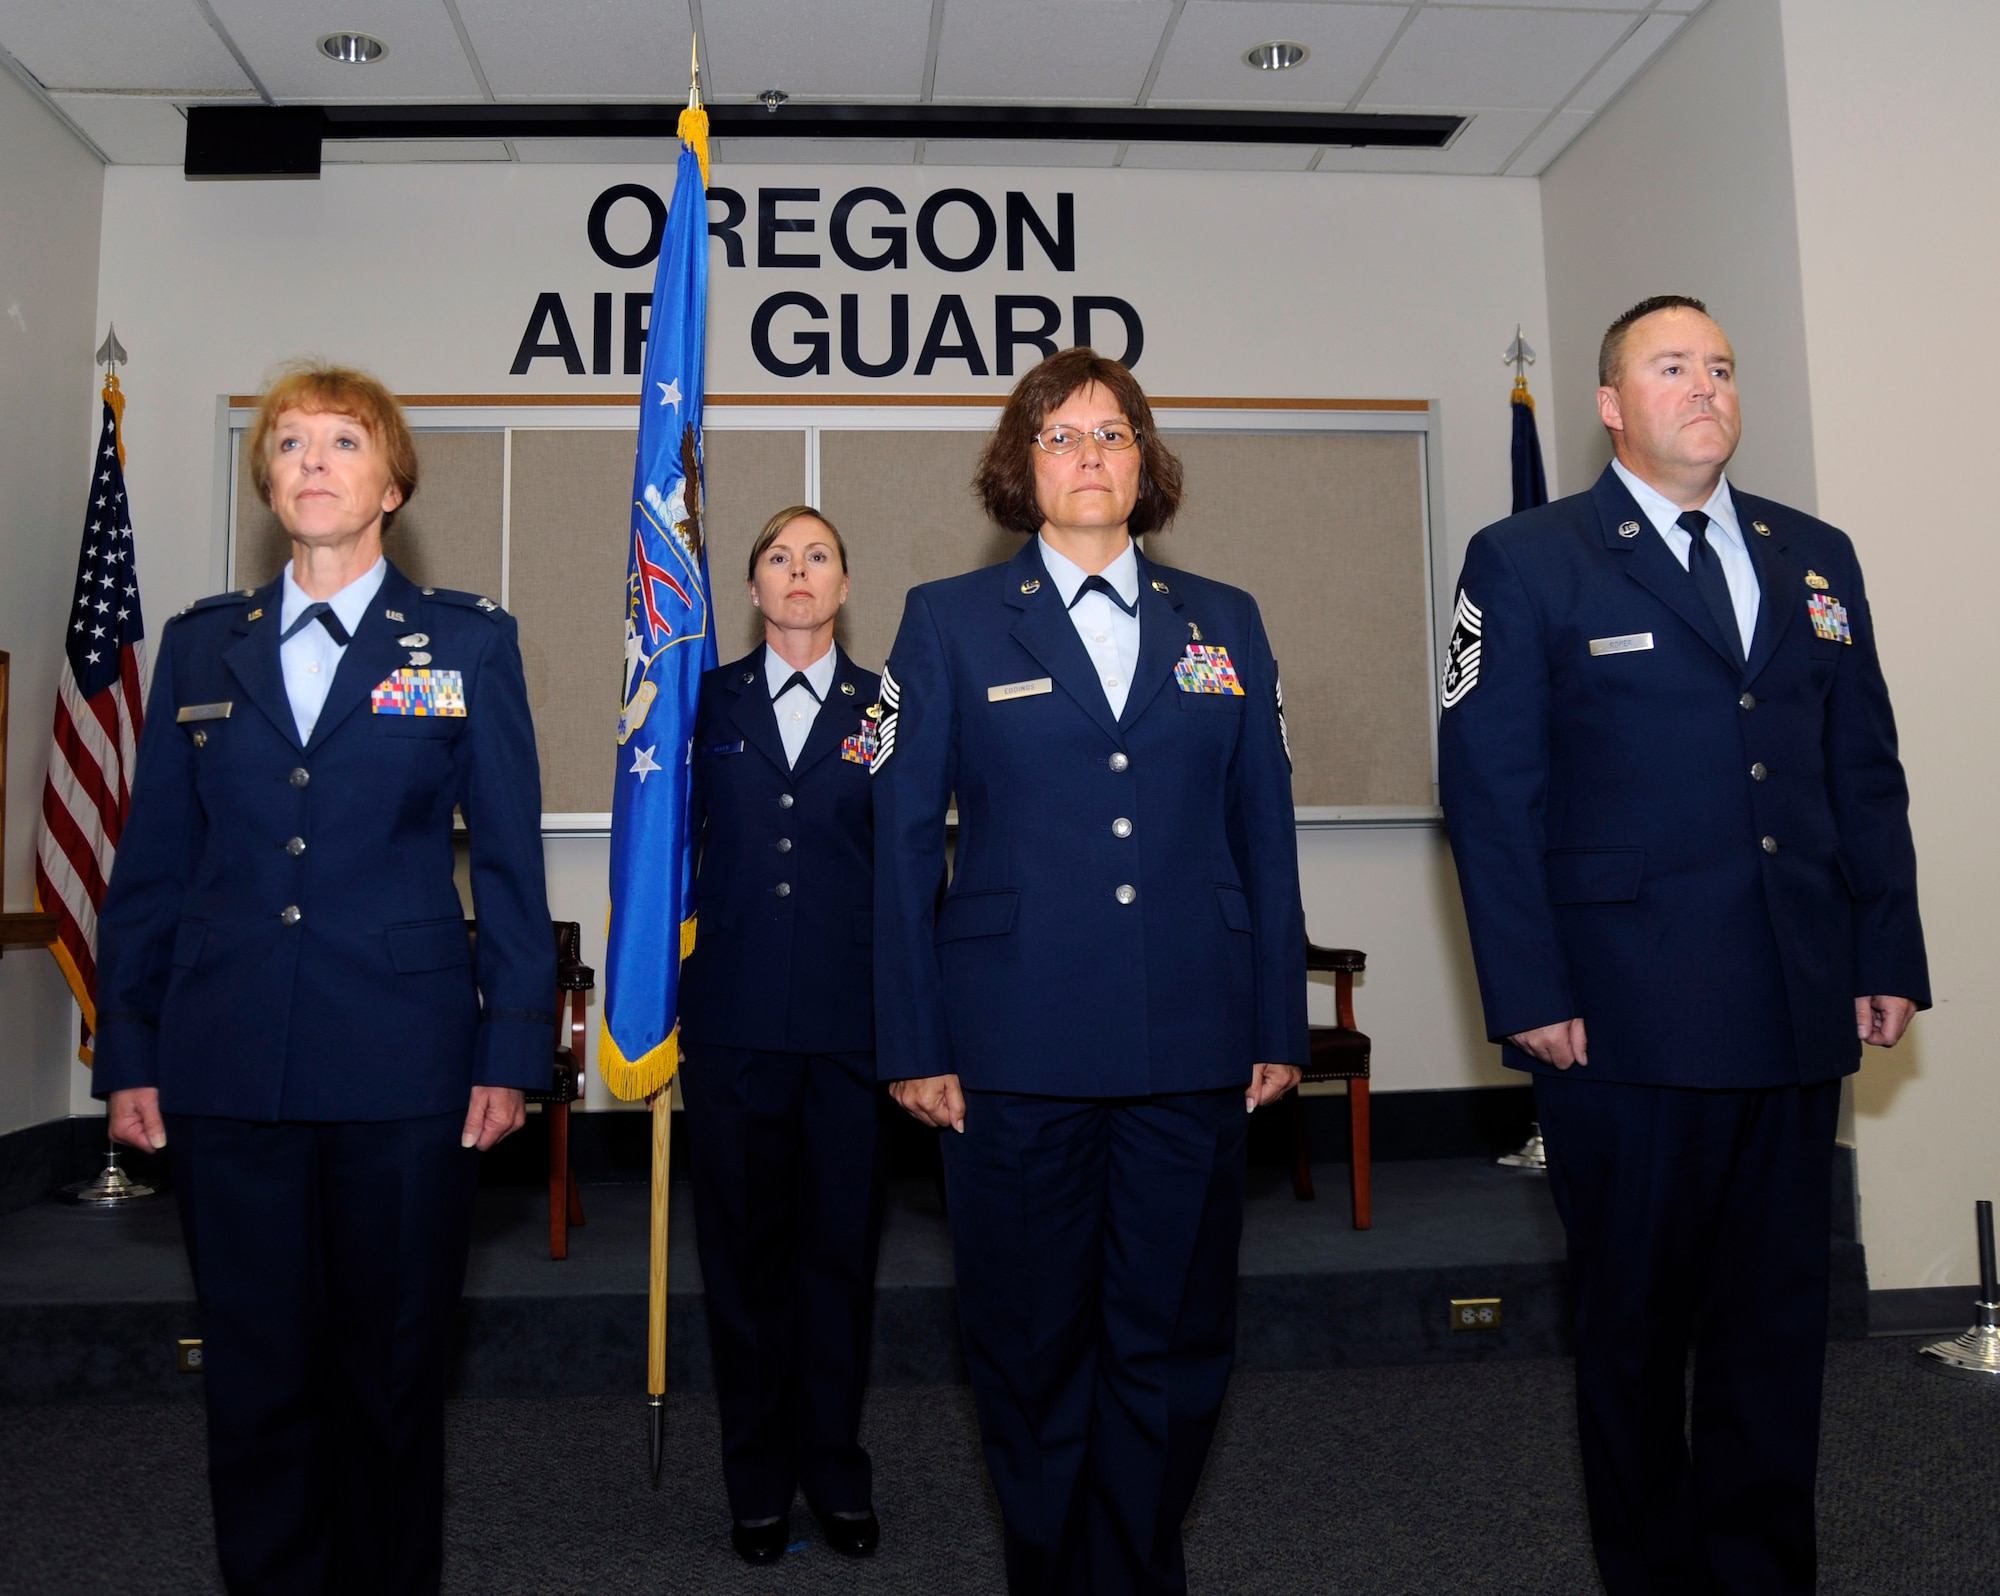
(1670, 775)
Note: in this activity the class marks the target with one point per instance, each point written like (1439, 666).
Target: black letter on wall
(1135, 334)
(927, 230)
(638, 313)
(562, 343)
(1006, 335)
(601, 211)
(897, 238)
(814, 344)
(1061, 250)
(600, 335)
(850, 336)
(770, 224)
(733, 212)
(951, 316)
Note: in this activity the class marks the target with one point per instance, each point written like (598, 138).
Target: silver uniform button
(1121, 827)
(784, 889)
(301, 776)
(1120, 762)
(291, 915)
(1747, 701)
(786, 800)
(1769, 845)
(296, 846)
(1758, 772)
(1126, 894)
(784, 845)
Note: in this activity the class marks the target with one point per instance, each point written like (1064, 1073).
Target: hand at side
(1561, 1044)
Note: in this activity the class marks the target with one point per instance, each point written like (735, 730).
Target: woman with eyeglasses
(778, 1045)
(1113, 977)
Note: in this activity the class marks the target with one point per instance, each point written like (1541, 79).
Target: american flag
(98, 716)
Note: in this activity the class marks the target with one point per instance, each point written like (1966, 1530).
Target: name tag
(999, 695)
(716, 750)
(188, 712)
(1630, 643)
(418, 692)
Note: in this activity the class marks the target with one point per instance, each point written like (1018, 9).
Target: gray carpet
(1350, 1482)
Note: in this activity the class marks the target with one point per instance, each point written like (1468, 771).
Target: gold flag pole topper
(693, 130)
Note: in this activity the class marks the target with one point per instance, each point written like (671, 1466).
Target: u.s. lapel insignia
(413, 639)
(1461, 655)
(1816, 582)
(847, 689)
(1160, 587)
(1032, 585)
(749, 677)
(1762, 530)
(394, 615)
(254, 615)
(1628, 529)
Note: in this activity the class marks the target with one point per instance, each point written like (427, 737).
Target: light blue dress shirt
(1725, 536)
(796, 708)
(310, 657)
(1110, 636)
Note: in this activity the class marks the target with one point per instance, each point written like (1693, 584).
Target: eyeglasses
(1067, 440)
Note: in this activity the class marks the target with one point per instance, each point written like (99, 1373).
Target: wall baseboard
(1921, 1311)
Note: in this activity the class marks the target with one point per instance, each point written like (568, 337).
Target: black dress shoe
(761, 1543)
(855, 1537)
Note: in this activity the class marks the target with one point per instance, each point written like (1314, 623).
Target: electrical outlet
(187, 1356)
(1475, 1313)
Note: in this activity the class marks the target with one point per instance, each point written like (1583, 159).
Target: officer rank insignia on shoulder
(889, 710)
(1829, 618)
(1461, 654)
(1206, 668)
(420, 692)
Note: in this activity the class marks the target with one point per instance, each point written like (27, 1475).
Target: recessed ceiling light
(355, 49)
(1275, 56)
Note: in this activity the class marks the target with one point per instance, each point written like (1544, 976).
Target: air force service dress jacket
(281, 937)
(785, 886)
(1123, 917)
(1706, 859)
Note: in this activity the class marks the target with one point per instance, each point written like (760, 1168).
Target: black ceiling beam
(230, 141)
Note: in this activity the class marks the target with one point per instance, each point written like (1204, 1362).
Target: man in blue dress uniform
(1670, 774)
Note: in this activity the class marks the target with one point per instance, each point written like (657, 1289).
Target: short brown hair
(318, 389)
(785, 518)
(1005, 480)
(1611, 353)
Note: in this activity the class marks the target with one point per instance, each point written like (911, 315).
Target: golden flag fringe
(634, 1078)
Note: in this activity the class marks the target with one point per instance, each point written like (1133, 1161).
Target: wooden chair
(1339, 1053)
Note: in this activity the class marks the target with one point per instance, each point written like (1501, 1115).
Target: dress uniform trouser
(1096, 1245)
(789, 1167)
(328, 1259)
(1703, 1219)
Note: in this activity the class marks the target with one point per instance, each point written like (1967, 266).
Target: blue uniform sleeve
(914, 771)
(1493, 772)
(1871, 806)
(500, 795)
(1264, 832)
(136, 925)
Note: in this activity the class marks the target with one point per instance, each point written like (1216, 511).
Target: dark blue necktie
(1706, 569)
(1097, 584)
(323, 613)
(797, 679)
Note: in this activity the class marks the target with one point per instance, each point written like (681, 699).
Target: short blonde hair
(320, 389)
(785, 518)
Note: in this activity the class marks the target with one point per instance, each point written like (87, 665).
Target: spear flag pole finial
(111, 352)
(1519, 355)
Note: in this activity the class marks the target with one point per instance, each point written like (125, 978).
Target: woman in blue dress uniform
(778, 1043)
(289, 1003)
(1115, 973)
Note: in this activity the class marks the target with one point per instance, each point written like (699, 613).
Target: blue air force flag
(669, 642)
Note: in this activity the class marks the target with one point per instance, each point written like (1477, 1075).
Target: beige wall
(51, 199)
(1892, 140)
(1684, 186)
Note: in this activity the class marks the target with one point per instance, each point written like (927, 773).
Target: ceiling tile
(598, 152)
(608, 49)
(1572, 5)
(1079, 52)
(1204, 62)
(278, 38)
(1481, 148)
(132, 129)
(1626, 62)
(403, 152)
(1220, 157)
(1549, 143)
(813, 152)
(161, 45)
(1019, 152)
(1493, 57)
(856, 50)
